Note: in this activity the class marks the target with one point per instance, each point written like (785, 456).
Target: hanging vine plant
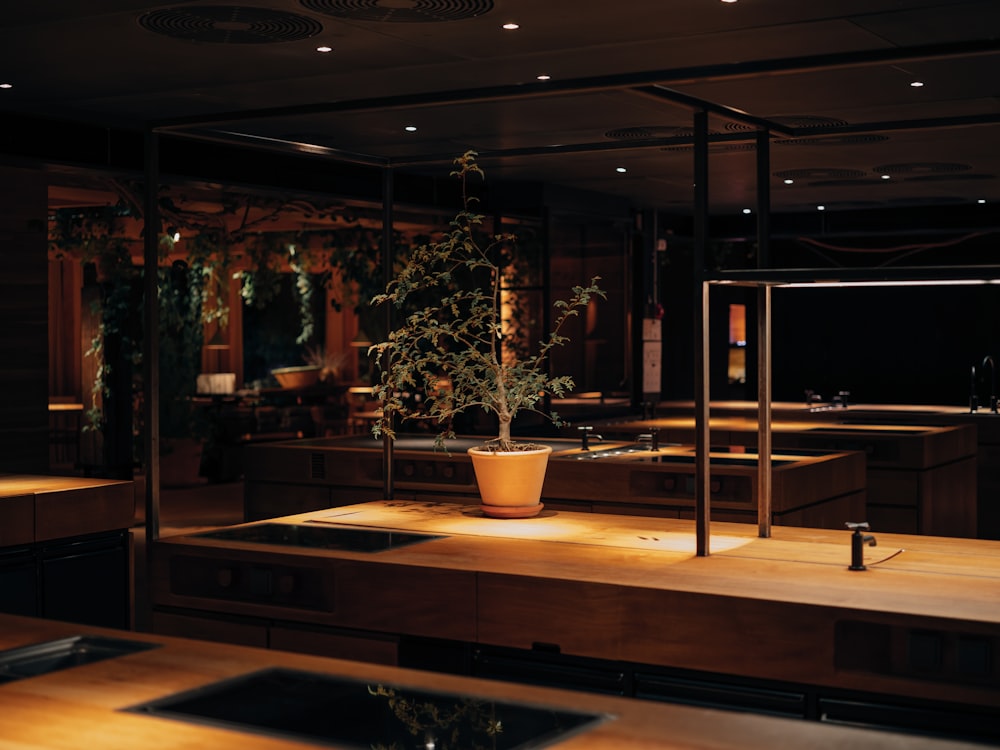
(93, 236)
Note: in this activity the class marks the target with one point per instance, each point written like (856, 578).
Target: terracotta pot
(510, 483)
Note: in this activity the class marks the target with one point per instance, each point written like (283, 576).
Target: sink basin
(621, 451)
(52, 656)
(642, 454)
(326, 709)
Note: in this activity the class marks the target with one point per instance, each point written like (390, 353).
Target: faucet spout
(586, 435)
(973, 393)
(988, 360)
(858, 542)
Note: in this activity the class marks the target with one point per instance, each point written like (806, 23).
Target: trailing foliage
(449, 355)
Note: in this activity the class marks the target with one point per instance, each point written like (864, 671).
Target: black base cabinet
(18, 581)
(808, 702)
(82, 579)
(546, 666)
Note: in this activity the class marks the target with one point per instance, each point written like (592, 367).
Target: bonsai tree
(452, 351)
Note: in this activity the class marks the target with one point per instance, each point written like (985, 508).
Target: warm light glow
(177, 236)
(621, 170)
(410, 128)
(324, 49)
(821, 207)
(6, 85)
(917, 84)
(511, 26)
(789, 181)
(746, 210)
(557, 527)
(543, 77)
(886, 177)
(737, 325)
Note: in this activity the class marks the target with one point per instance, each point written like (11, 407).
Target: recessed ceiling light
(746, 210)
(543, 77)
(821, 208)
(410, 128)
(789, 181)
(729, 1)
(886, 177)
(6, 85)
(511, 26)
(621, 170)
(916, 84)
(981, 200)
(324, 49)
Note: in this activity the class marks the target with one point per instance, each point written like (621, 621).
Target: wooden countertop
(915, 575)
(82, 706)
(37, 508)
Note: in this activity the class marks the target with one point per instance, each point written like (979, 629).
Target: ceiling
(828, 80)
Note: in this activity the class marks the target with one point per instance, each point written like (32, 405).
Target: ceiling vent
(849, 182)
(715, 148)
(401, 11)
(848, 139)
(949, 177)
(820, 173)
(650, 131)
(230, 24)
(798, 122)
(922, 168)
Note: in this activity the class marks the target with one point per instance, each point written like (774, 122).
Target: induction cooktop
(326, 709)
(347, 538)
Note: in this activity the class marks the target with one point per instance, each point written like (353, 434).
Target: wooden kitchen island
(147, 691)
(613, 604)
(816, 488)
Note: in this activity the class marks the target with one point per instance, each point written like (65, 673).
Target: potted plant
(454, 351)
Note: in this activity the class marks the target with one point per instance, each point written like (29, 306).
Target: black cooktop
(320, 708)
(347, 538)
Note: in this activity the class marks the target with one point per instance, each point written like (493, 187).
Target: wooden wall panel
(23, 322)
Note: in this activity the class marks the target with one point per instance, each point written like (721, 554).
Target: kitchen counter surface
(83, 706)
(39, 508)
(793, 565)
(628, 588)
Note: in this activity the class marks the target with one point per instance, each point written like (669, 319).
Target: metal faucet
(652, 437)
(973, 394)
(858, 542)
(993, 381)
(586, 437)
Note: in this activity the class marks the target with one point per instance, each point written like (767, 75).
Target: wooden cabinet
(64, 548)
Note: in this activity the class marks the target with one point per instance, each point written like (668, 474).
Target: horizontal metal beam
(673, 77)
(777, 277)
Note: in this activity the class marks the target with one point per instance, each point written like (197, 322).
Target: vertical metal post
(150, 337)
(388, 251)
(702, 479)
(764, 466)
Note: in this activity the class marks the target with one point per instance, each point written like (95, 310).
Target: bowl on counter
(297, 377)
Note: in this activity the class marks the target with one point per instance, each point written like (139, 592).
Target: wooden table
(83, 706)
